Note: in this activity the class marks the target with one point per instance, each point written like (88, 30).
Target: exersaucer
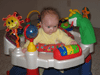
(33, 59)
(45, 60)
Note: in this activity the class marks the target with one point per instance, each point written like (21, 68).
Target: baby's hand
(73, 42)
(24, 50)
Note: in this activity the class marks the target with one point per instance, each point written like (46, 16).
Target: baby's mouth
(50, 33)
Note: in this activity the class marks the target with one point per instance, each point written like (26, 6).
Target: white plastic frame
(33, 60)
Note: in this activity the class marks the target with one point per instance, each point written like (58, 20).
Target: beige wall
(63, 6)
(23, 7)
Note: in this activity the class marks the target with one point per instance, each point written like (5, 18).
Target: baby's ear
(41, 24)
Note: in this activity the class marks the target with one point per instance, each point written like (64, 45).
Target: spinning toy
(30, 33)
(86, 13)
(67, 52)
(65, 24)
(12, 23)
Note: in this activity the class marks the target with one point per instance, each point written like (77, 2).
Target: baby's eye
(8, 22)
(48, 26)
(12, 21)
(55, 26)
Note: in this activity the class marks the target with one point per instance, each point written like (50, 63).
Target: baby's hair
(49, 10)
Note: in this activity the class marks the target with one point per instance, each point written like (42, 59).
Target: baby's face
(50, 23)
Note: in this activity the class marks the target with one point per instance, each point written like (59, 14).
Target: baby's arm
(35, 41)
(64, 38)
(26, 44)
(73, 42)
(24, 48)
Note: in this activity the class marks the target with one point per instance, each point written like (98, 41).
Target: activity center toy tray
(33, 60)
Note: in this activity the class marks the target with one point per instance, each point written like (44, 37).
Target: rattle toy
(67, 52)
(30, 33)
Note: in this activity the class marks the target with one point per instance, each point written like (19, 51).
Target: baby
(49, 33)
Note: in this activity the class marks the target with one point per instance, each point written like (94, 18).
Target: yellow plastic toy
(13, 22)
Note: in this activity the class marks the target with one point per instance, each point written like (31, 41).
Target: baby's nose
(51, 28)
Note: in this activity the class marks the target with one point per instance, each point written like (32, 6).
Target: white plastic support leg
(7, 46)
(91, 46)
(31, 58)
(15, 54)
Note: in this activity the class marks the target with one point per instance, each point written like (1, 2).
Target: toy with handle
(27, 20)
